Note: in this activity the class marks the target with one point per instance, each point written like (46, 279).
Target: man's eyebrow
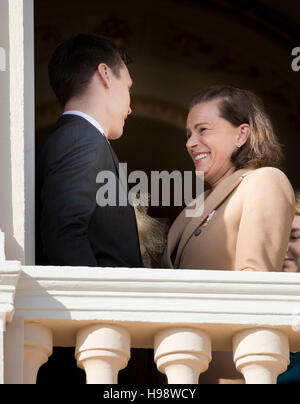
(295, 229)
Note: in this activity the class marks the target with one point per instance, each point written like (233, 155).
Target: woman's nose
(192, 141)
(288, 252)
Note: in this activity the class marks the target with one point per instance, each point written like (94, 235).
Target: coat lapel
(213, 200)
(175, 234)
(173, 238)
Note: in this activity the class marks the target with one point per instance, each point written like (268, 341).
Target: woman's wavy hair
(297, 197)
(239, 106)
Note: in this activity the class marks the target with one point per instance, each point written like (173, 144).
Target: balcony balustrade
(183, 315)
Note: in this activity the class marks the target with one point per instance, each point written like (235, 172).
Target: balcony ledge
(146, 301)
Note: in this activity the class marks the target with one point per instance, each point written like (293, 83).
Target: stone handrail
(182, 314)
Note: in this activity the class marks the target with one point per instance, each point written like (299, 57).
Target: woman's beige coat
(249, 230)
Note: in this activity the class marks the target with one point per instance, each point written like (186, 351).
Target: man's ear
(243, 134)
(104, 74)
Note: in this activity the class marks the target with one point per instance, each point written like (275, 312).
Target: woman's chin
(201, 168)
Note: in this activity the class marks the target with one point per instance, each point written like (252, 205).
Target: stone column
(261, 355)
(2, 329)
(182, 354)
(37, 349)
(102, 351)
(14, 351)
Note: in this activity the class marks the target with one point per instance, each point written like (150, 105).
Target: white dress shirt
(88, 118)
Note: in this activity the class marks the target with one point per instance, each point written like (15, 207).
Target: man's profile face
(120, 102)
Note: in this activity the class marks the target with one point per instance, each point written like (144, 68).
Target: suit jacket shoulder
(70, 133)
(268, 183)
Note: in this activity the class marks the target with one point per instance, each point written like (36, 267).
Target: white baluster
(182, 354)
(102, 351)
(261, 355)
(37, 349)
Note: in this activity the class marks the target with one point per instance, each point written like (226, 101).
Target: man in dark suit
(89, 76)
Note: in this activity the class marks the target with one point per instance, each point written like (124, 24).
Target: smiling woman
(231, 140)
(249, 206)
(238, 121)
(212, 140)
(292, 264)
(292, 256)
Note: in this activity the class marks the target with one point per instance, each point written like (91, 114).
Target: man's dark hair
(75, 61)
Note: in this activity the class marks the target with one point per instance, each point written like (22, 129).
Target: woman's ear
(243, 134)
(104, 74)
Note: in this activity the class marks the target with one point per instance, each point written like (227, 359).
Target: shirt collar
(88, 118)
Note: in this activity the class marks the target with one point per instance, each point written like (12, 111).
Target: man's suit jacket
(249, 230)
(71, 228)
